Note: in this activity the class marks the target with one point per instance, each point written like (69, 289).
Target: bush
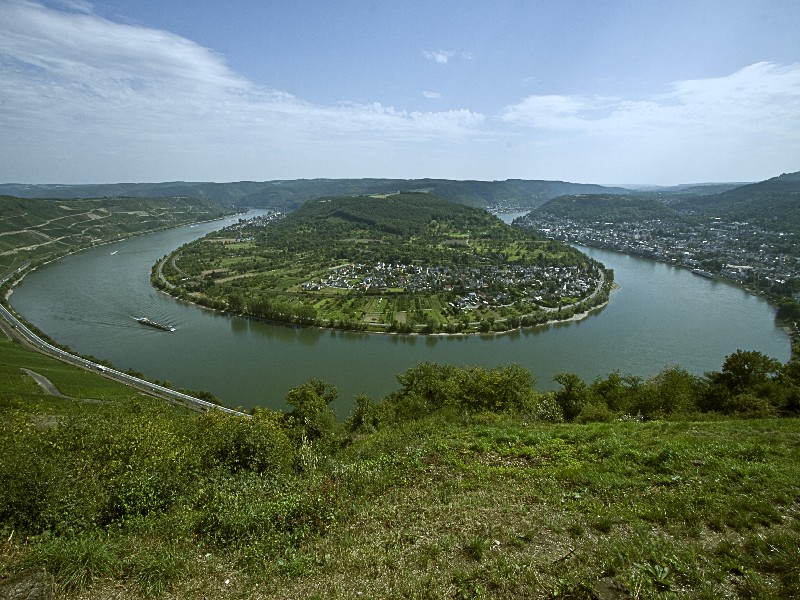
(595, 411)
(365, 417)
(572, 397)
(236, 443)
(312, 420)
(748, 405)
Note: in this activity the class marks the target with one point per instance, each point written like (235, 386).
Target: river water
(660, 316)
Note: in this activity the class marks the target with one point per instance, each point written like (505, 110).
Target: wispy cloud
(746, 121)
(76, 78)
(78, 5)
(758, 98)
(83, 98)
(441, 57)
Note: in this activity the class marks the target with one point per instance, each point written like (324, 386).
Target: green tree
(745, 370)
(573, 396)
(744, 373)
(311, 419)
(236, 302)
(365, 417)
(506, 388)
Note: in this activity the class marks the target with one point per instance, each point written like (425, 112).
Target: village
(488, 286)
(739, 251)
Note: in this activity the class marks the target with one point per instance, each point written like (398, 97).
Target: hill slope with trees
(589, 208)
(774, 203)
(33, 230)
(464, 482)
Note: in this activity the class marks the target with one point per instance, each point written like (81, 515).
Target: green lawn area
(71, 381)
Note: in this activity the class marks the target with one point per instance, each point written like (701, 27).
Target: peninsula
(398, 263)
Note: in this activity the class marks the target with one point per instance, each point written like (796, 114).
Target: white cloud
(760, 98)
(83, 98)
(78, 81)
(78, 5)
(745, 122)
(441, 57)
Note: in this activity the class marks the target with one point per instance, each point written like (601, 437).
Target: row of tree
(750, 384)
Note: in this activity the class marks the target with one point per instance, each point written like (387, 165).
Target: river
(660, 316)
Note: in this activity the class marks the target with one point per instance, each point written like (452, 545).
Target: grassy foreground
(124, 497)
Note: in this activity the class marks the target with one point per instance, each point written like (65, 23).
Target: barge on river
(702, 273)
(149, 323)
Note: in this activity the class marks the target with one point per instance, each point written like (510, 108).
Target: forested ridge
(291, 194)
(609, 208)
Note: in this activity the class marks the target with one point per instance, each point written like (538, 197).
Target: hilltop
(397, 263)
(774, 203)
(591, 208)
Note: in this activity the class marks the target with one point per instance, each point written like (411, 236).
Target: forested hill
(607, 208)
(402, 214)
(774, 203)
(290, 194)
(404, 263)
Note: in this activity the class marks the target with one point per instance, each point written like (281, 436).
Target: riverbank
(87, 303)
(792, 329)
(17, 329)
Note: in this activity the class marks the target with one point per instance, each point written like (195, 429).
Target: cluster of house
(737, 250)
(473, 287)
(243, 225)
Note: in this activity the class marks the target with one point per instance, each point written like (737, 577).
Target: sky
(656, 92)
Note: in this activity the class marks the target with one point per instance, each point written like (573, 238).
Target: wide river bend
(660, 316)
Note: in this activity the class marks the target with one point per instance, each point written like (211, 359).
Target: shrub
(572, 396)
(312, 420)
(365, 417)
(236, 443)
(595, 411)
(548, 409)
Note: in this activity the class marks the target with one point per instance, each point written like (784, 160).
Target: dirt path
(45, 383)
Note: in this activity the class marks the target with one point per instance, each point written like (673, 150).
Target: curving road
(17, 330)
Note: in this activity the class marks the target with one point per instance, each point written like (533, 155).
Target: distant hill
(607, 207)
(34, 229)
(290, 194)
(774, 203)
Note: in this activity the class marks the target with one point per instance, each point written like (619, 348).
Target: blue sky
(614, 91)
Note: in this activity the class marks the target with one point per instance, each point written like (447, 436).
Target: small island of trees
(401, 263)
